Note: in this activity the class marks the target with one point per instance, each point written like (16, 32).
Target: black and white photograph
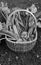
(20, 32)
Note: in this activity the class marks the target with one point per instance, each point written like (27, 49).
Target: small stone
(17, 57)
(5, 52)
(37, 56)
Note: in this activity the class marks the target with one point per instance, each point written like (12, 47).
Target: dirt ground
(22, 3)
(33, 57)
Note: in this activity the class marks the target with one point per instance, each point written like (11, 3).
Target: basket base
(20, 47)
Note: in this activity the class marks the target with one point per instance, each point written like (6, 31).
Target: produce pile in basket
(22, 26)
(19, 25)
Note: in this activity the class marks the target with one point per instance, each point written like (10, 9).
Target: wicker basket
(20, 47)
